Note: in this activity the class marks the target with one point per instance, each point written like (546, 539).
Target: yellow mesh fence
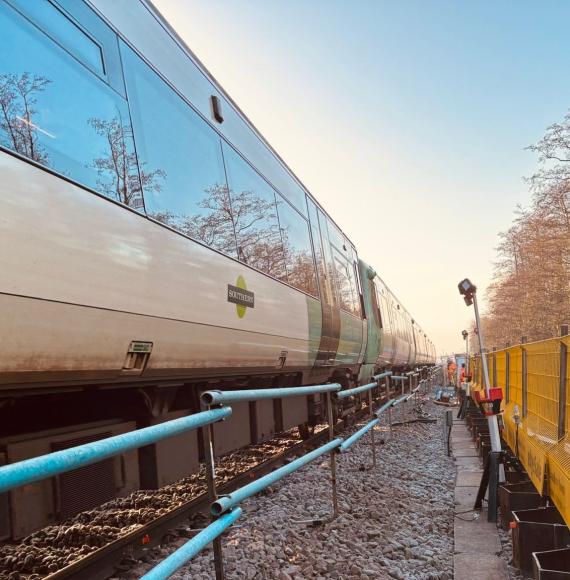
(559, 476)
(501, 362)
(515, 375)
(566, 341)
(543, 385)
(535, 440)
(509, 434)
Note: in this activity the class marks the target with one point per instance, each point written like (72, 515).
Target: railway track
(106, 559)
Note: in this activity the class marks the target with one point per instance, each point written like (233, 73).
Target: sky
(408, 120)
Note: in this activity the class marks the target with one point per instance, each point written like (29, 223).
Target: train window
(254, 214)
(375, 306)
(356, 308)
(59, 114)
(343, 283)
(297, 245)
(55, 23)
(336, 238)
(180, 159)
(346, 284)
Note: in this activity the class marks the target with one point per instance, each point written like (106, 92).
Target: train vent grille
(86, 487)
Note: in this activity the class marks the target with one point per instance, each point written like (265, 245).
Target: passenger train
(153, 245)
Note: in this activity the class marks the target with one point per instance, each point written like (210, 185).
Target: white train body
(152, 244)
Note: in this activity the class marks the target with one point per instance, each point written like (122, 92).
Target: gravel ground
(507, 555)
(56, 546)
(396, 521)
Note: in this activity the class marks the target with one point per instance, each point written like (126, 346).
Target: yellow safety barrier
(529, 375)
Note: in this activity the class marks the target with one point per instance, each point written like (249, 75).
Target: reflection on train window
(355, 288)
(56, 112)
(345, 284)
(254, 215)
(180, 159)
(63, 30)
(297, 246)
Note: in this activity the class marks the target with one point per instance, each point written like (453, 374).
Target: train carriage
(153, 245)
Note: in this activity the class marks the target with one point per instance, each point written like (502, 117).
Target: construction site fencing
(534, 379)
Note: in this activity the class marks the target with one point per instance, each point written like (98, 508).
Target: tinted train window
(348, 297)
(254, 214)
(343, 282)
(180, 160)
(58, 113)
(297, 246)
(64, 31)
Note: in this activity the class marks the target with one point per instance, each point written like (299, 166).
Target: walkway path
(477, 545)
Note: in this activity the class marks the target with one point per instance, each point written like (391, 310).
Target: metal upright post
(467, 356)
(491, 419)
(332, 456)
(563, 376)
(208, 437)
(372, 430)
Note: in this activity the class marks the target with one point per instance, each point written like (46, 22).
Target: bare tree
(530, 293)
(121, 176)
(18, 97)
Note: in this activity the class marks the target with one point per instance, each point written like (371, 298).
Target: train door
(330, 332)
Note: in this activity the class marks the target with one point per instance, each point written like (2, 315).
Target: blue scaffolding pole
(44, 466)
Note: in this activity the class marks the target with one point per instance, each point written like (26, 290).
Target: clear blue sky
(407, 119)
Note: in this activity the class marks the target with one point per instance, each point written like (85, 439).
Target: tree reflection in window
(119, 175)
(18, 98)
(65, 118)
(254, 216)
(297, 248)
(343, 282)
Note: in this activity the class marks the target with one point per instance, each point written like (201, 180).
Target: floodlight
(466, 287)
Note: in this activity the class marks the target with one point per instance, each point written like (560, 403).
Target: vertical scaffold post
(208, 439)
(563, 394)
(524, 381)
(332, 456)
(371, 409)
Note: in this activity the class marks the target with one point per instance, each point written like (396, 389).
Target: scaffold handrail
(44, 466)
(227, 502)
(382, 375)
(399, 378)
(350, 441)
(355, 390)
(191, 548)
(400, 400)
(228, 397)
(384, 407)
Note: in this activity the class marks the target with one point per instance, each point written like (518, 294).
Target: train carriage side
(149, 252)
(394, 339)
